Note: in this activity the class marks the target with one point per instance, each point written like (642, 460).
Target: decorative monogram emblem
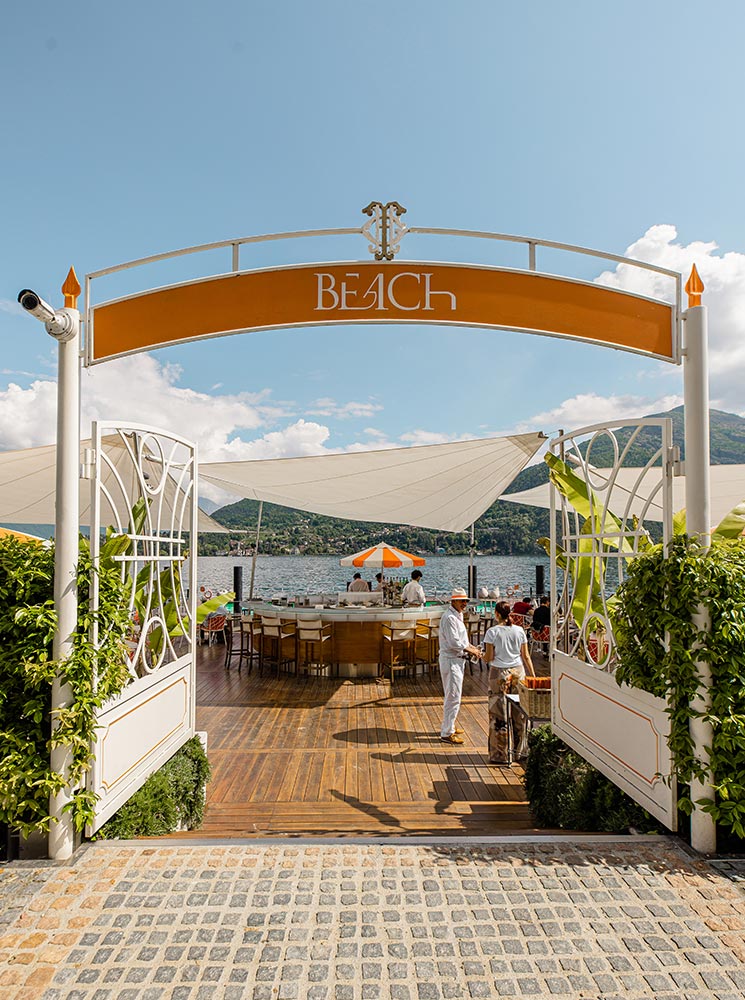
(385, 228)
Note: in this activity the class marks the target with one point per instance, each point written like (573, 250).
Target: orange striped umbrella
(382, 556)
(21, 535)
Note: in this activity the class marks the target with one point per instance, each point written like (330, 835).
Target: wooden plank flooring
(334, 757)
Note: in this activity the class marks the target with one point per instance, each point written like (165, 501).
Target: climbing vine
(659, 642)
(27, 670)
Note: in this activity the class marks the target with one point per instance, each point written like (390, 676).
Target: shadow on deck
(337, 757)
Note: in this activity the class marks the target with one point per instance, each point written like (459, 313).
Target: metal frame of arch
(322, 293)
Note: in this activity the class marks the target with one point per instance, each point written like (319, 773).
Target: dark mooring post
(238, 588)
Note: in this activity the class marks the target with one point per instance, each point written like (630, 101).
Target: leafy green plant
(568, 793)
(171, 796)
(27, 625)
(659, 643)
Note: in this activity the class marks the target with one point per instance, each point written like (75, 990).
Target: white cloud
(140, 389)
(590, 408)
(9, 306)
(28, 416)
(427, 437)
(723, 276)
(327, 407)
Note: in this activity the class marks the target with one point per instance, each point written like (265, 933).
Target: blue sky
(140, 128)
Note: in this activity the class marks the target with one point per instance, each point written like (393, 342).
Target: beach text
(407, 291)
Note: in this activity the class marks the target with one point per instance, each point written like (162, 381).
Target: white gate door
(144, 486)
(621, 730)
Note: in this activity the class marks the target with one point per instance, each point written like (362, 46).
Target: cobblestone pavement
(18, 884)
(351, 921)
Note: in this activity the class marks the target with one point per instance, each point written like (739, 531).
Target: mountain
(504, 529)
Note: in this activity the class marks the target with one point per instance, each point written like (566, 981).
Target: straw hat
(459, 595)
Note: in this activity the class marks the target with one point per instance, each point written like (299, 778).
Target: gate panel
(144, 486)
(622, 731)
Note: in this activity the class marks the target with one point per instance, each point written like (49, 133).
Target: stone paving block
(544, 920)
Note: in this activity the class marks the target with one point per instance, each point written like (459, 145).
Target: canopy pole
(256, 552)
(471, 578)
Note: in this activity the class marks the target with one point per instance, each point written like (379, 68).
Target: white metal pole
(256, 551)
(61, 833)
(471, 587)
(698, 525)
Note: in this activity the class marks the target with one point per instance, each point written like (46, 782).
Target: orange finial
(71, 289)
(694, 288)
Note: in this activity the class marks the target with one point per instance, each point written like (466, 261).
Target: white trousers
(451, 671)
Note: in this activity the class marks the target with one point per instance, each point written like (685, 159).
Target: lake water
(313, 574)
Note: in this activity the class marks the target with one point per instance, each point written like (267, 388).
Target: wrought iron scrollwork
(596, 547)
(385, 230)
(145, 484)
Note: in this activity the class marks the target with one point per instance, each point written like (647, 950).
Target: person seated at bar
(522, 607)
(413, 592)
(358, 584)
(542, 614)
(378, 582)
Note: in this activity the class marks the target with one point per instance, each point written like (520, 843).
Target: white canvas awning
(27, 487)
(442, 486)
(631, 489)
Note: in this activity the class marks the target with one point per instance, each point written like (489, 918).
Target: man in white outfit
(413, 592)
(454, 645)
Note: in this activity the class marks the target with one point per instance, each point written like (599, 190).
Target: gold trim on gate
(158, 694)
(657, 777)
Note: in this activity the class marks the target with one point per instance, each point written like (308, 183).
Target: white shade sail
(727, 490)
(443, 486)
(27, 487)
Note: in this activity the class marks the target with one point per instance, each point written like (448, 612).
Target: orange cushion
(537, 682)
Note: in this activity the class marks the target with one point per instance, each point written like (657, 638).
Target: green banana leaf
(679, 522)
(207, 607)
(732, 524)
(585, 501)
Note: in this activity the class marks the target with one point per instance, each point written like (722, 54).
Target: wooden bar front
(357, 631)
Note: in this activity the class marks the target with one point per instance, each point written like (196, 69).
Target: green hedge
(171, 796)
(27, 672)
(567, 793)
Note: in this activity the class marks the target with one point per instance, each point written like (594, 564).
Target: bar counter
(357, 629)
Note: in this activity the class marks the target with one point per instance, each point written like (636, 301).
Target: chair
(213, 626)
(518, 620)
(244, 641)
(428, 634)
(540, 638)
(398, 647)
(472, 621)
(315, 647)
(274, 635)
(235, 642)
(487, 621)
(251, 627)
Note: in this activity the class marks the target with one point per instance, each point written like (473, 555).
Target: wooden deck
(335, 757)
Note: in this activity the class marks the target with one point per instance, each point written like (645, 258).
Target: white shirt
(507, 641)
(453, 634)
(359, 585)
(413, 593)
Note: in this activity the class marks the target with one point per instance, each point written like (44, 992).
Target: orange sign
(382, 292)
